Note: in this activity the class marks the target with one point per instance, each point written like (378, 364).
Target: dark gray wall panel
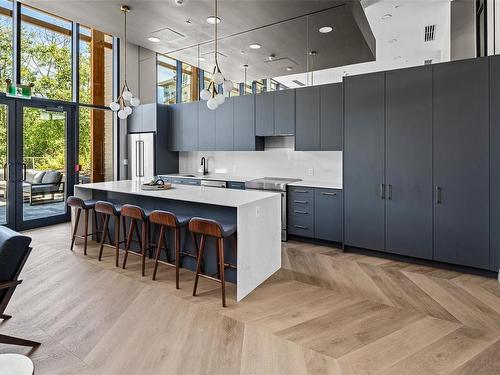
(264, 114)
(495, 162)
(307, 122)
(206, 127)
(461, 160)
(224, 119)
(409, 162)
(364, 161)
(189, 131)
(284, 112)
(244, 123)
(331, 117)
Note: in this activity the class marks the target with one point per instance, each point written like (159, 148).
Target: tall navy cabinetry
(495, 163)
(364, 204)
(224, 126)
(206, 127)
(461, 162)
(408, 162)
(244, 124)
(307, 117)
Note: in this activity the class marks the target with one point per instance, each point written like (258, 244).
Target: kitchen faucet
(204, 163)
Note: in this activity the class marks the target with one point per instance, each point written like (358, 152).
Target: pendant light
(210, 94)
(120, 105)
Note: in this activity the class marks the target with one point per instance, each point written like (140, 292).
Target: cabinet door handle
(330, 194)
(301, 191)
(300, 202)
(438, 195)
(301, 212)
(382, 191)
(300, 226)
(389, 193)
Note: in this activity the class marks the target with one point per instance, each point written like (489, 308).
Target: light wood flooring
(325, 312)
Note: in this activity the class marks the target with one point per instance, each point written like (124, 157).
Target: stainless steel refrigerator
(141, 156)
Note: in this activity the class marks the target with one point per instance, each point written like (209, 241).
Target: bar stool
(85, 205)
(167, 220)
(219, 231)
(136, 214)
(108, 210)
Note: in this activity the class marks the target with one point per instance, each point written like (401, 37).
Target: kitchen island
(257, 215)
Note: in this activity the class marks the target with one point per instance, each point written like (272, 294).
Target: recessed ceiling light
(255, 46)
(201, 58)
(154, 39)
(393, 40)
(289, 68)
(387, 16)
(212, 19)
(325, 29)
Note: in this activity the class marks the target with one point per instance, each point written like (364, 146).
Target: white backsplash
(279, 162)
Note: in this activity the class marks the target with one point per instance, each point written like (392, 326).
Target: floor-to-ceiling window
(5, 42)
(167, 80)
(46, 54)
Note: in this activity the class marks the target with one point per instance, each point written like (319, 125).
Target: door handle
(300, 202)
(141, 166)
(24, 172)
(301, 212)
(382, 191)
(438, 195)
(331, 194)
(389, 192)
(136, 158)
(5, 178)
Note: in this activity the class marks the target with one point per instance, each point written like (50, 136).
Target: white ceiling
(409, 17)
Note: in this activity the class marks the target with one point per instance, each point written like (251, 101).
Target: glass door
(44, 178)
(7, 171)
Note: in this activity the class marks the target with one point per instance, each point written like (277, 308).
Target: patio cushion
(52, 177)
(34, 177)
(37, 179)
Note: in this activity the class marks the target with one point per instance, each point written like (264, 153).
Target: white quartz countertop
(317, 184)
(198, 194)
(211, 176)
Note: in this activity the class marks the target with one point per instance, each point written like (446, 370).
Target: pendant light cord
(215, 38)
(125, 49)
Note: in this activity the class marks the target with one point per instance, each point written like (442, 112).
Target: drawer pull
(300, 202)
(330, 194)
(193, 182)
(301, 191)
(301, 212)
(300, 227)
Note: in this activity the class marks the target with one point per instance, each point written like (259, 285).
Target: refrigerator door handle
(136, 158)
(141, 158)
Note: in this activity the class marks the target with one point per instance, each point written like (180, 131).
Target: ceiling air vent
(428, 62)
(429, 33)
(297, 82)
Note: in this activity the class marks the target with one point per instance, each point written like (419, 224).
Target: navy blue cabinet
(461, 162)
(328, 214)
(206, 127)
(331, 117)
(189, 127)
(364, 185)
(224, 128)
(307, 119)
(175, 122)
(495, 163)
(284, 112)
(244, 124)
(235, 185)
(264, 114)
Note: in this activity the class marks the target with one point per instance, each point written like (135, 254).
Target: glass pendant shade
(128, 110)
(134, 102)
(127, 95)
(114, 106)
(205, 94)
(212, 103)
(218, 78)
(228, 86)
(220, 98)
(122, 114)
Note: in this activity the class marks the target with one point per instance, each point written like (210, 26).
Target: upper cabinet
(284, 112)
(319, 116)
(264, 114)
(244, 124)
(206, 127)
(224, 128)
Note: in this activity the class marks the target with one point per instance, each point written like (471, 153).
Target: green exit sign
(18, 91)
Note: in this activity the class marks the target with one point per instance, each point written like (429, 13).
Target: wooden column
(97, 116)
(195, 84)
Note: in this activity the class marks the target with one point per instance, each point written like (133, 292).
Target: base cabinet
(315, 213)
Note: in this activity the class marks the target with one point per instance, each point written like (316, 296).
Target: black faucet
(204, 163)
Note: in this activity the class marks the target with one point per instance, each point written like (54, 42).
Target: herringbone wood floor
(325, 312)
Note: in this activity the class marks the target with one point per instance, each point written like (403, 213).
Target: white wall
(275, 162)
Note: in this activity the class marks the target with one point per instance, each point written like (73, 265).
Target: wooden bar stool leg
(117, 240)
(218, 257)
(198, 263)
(86, 232)
(220, 248)
(105, 230)
(158, 250)
(75, 229)
(94, 226)
(109, 233)
(128, 241)
(144, 246)
(177, 247)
